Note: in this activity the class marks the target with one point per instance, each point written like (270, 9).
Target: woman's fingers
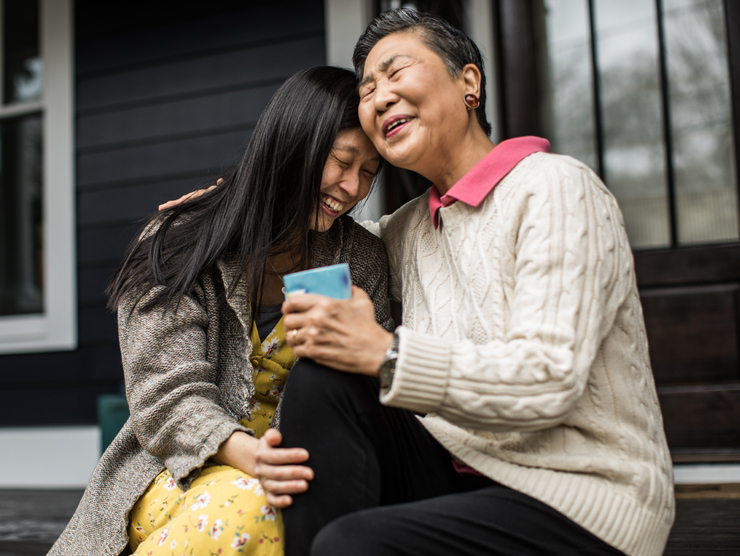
(279, 456)
(280, 481)
(277, 471)
(278, 501)
(284, 487)
(283, 472)
(189, 196)
(174, 202)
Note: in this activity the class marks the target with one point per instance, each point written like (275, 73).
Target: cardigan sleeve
(564, 269)
(369, 266)
(170, 384)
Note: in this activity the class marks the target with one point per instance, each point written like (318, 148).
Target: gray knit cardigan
(188, 383)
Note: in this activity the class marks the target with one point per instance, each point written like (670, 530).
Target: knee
(313, 388)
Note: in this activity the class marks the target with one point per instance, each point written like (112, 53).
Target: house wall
(165, 101)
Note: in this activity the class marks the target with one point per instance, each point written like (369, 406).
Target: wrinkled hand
(277, 469)
(341, 334)
(189, 196)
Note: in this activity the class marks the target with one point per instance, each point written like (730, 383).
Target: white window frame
(56, 328)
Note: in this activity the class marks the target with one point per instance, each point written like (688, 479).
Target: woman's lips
(331, 206)
(393, 125)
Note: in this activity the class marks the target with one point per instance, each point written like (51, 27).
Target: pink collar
(484, 176)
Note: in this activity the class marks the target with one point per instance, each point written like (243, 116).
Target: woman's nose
(384, 97)
(351, 183)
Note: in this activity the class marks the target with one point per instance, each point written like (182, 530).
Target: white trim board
(64, 457)
(48, 457)
(706, 474)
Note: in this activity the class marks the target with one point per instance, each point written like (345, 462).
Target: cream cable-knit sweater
(524, 342)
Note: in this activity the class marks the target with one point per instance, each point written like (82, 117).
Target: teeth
(332, 204)
(396, 124)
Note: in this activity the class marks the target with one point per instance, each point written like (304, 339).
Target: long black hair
(452, 45)
(264, 206)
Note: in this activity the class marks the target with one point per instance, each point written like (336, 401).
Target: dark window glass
(21, 216)
(652, 117)
(701, 134)
(567, 80)
(20, 49)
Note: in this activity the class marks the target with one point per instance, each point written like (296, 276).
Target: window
(640, 91)
(37, 260)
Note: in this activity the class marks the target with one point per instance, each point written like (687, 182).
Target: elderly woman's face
(410, 106)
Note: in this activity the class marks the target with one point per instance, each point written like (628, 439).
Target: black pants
(384, 486)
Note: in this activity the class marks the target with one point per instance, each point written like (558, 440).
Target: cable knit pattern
(189, 382)
(524, 342)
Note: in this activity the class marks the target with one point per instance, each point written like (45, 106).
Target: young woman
(203, 345)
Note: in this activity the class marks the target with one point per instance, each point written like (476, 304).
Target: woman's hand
(189, 196)
(341, 334)
(277, 469)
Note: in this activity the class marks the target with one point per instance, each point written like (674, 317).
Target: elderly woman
(519, 413)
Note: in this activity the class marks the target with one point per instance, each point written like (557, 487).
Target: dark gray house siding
(166, 98)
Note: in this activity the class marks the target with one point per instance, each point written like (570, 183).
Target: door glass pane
(566, 78)
(21, 219)
(21, 57)
(634, 156)
(703, 142)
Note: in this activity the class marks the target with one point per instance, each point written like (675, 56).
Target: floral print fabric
(224, 512)
(271, 360)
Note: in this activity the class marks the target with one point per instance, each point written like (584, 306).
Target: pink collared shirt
(484, 176)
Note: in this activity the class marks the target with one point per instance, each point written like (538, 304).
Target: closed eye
(344, 163)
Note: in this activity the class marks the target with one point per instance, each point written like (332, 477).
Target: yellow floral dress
(224, 512)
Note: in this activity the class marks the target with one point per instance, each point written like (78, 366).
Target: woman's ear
(470, 75)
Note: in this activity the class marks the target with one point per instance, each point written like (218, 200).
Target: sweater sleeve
(170, 384)
(564, 242)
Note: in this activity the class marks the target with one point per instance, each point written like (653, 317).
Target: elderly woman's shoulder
(558, 170)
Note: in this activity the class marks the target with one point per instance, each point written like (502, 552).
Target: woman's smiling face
(410, 105)
(347, 177)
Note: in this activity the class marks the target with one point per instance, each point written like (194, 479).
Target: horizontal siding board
(693, 333)
(158, 122)
(263, 22)
(74, 404)
(91, 284)
(205, 155)
(719, 411)
(104, 246)
(97, 325)
(708, 264)
(201, 75)
(88, 363)
(125, 205)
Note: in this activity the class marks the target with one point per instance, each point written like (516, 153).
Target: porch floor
(707, 520)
